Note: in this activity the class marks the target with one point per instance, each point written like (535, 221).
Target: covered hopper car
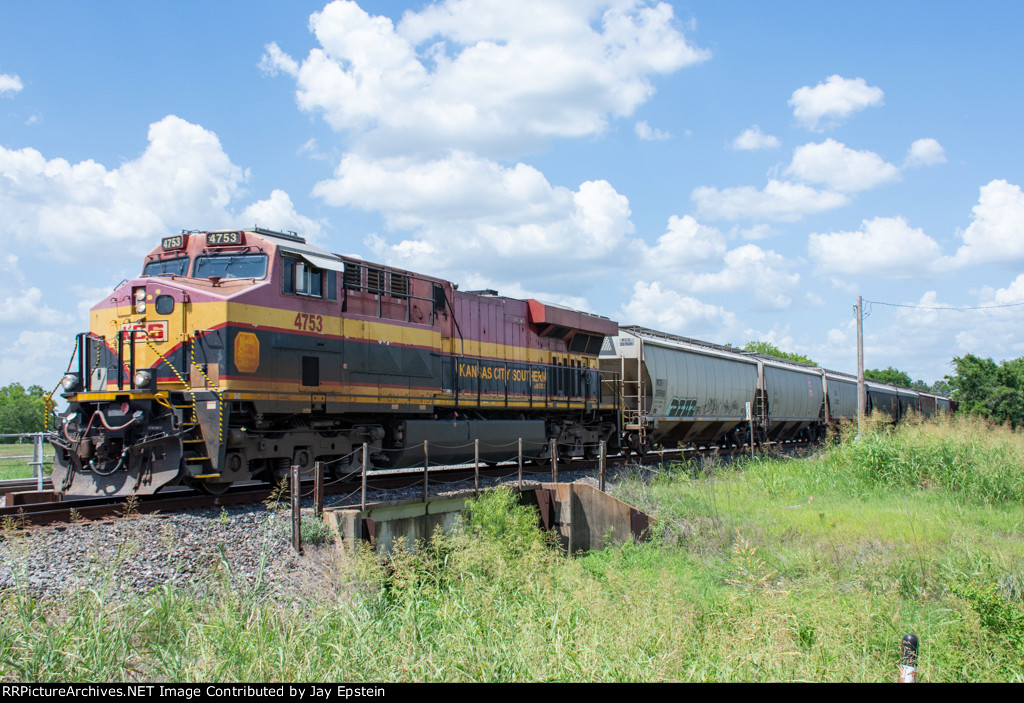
(677, 390)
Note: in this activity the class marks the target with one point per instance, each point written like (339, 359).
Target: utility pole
(860, 364)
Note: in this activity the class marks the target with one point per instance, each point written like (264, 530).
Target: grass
(21, 468)
(762, 570)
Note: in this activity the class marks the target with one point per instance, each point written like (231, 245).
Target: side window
(299, 278)
(332, 286)
(288, 275)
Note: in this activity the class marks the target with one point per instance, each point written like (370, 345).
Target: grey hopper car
(841, 394)
(677, 391)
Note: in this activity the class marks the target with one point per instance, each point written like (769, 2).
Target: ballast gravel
(193, 551)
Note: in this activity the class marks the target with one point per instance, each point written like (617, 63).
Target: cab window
(226, 266)
(167, 267)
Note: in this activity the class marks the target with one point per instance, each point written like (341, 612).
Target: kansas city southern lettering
(500, 373)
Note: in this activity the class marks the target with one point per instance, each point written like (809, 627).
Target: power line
(945, 307)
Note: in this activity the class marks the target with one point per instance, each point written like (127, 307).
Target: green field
(807, 569)
(20, 468)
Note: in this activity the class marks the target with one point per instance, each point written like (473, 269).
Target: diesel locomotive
(237, 354)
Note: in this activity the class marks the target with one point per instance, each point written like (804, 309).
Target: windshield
(231, 266)
(167, 267)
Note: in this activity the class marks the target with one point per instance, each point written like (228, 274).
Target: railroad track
(27, 507)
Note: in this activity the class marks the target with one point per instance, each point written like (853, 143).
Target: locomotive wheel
(211, 488)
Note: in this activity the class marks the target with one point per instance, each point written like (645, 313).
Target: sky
(729, 171)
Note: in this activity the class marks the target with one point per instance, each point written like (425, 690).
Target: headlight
(70, 382)
(142, 378)
(140, 306)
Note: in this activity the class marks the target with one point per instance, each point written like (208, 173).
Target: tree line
(21, 409)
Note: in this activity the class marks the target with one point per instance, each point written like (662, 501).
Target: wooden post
(318, 489)
(366, 454)
(601, 461)
(476, 467)
(296, 509)
(520, 463)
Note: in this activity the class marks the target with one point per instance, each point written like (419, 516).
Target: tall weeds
(971, 457)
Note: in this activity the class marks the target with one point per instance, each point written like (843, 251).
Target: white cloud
(749, 267)
(648, 133)
(686, 241)
(662, 308)
(182, 179)
(840, 167)
(754, 139)
(428, 85)
(925, 152)
(778, 201)
(986, 331)
(885, 247)
(10, 84)
(278, 213)
(996, 233)
(32, 357)
(471, 214)
(696, 258)
(833, 101)
(21, 303)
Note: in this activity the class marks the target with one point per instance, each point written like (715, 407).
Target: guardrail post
(476, 467)
(296, 510)
(426, 467)
(554, 461)
(37, 458)
(520, 463)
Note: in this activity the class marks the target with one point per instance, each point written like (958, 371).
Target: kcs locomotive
(237, 354)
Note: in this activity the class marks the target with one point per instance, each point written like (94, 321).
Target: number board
(175, 242)
(215, 239)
